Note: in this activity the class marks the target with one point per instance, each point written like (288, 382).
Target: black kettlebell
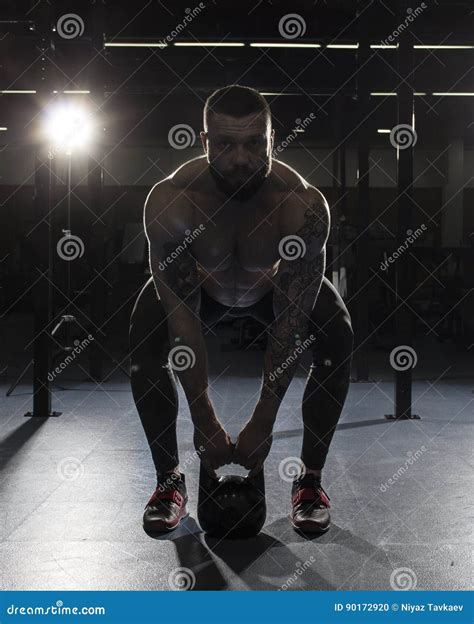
(231, 506)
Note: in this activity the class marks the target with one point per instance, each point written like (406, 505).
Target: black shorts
(212, 312)
(326, 320)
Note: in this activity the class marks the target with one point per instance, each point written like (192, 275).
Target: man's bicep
(173, 267)
(176, 278)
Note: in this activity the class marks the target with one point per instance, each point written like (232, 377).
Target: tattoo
(182, 277)
(297, 285)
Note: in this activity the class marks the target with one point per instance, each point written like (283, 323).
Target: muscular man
(234, 233)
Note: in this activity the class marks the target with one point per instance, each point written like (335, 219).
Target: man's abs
(234, 286)
(237, 254)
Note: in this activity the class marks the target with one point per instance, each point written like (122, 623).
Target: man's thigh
(329, 312)
(148, 325)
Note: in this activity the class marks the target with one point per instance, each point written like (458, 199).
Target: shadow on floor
(336, 535)
(261, 563)
(18, 438)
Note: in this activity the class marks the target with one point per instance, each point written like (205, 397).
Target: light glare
(69, 127)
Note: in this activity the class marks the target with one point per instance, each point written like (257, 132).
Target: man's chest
(243, 235)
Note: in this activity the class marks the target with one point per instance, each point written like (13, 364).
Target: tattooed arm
(297, 285)
(304, 228)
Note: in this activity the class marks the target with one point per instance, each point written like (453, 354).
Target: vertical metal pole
(342, 202)
(97, 252)
(362, 267)
(403, 356)
(96, 243)
(42, 290)
(335, 260)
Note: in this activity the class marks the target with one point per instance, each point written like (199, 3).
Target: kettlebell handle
(247, 476)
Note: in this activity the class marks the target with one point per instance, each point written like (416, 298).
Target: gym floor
(74, 487)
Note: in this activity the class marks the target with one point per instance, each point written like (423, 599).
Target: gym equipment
(231, 506)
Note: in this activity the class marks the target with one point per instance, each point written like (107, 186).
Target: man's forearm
(188, 359)
(297, 286)
(286, 343)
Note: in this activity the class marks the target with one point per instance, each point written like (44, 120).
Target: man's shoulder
(191, 175)
(298, 197)
(173, 196)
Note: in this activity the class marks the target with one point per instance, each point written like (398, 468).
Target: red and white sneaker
(167, 505)
(310, 505)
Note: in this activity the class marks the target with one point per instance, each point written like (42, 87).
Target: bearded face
(239, 153)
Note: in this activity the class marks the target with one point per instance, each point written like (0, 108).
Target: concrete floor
(73, 488)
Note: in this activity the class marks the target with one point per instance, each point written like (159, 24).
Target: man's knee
(148, 328)
(335, 342)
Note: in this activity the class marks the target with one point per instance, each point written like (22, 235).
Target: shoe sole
(309, 528)
(159, 527)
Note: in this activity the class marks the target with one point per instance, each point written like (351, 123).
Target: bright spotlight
(69, 127)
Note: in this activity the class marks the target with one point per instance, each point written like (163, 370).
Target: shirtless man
(258, 232)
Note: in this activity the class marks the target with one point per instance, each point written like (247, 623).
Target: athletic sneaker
(310, 505)
(167, 505)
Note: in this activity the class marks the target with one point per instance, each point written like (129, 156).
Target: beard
(245, 191)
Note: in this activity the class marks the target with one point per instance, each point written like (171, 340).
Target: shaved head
(236, 101)
(238, 140)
